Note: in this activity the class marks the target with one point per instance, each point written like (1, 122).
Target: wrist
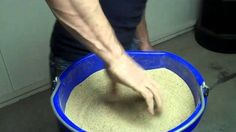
(117, 60)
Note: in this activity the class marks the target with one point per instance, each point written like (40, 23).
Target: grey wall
(25, 28)
(167, 18)
(5, 85)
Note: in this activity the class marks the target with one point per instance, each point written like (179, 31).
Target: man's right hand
(125, 71)
(85, 20)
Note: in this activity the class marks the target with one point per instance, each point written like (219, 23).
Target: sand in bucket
(88, 107)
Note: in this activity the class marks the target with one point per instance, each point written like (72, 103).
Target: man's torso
(124, 16)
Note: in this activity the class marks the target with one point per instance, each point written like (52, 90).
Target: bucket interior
(80, 70)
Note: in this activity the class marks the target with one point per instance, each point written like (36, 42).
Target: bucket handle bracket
(205, 89)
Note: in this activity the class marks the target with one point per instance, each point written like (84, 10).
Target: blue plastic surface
(81, 69)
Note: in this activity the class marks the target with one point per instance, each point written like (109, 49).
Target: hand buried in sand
(125, 71)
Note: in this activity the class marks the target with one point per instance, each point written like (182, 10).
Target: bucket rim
(199, 109)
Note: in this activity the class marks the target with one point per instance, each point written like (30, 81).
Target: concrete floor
(34, 114)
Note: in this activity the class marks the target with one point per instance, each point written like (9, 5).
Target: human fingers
(155, 89)
(148, 96)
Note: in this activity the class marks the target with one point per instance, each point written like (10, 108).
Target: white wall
(168, 18)
(5, 84)
(25, 31)
(25, 28)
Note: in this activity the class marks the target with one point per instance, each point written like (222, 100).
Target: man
(101, 27)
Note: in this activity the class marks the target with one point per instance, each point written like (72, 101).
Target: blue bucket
(83, 68)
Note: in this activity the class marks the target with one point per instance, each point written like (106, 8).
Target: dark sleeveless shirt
(123, 15)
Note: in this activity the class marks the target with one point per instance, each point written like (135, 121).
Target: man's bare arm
(142, 35)
(85, 20)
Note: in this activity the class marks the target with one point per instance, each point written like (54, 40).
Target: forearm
(142, 31)
(85, 20)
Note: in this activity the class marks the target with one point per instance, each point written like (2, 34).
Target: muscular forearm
(85, 20)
